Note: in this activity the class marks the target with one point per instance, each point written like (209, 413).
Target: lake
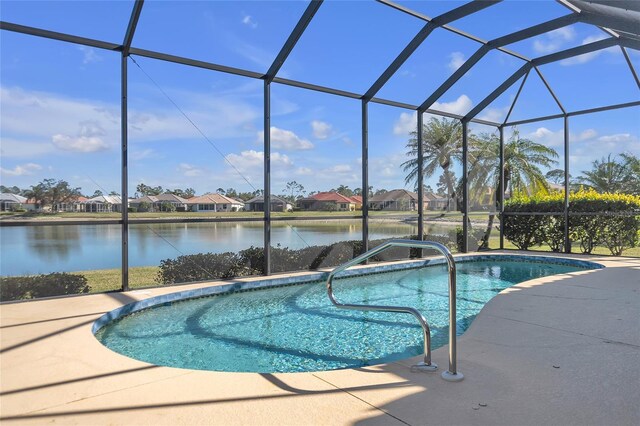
(45, 249)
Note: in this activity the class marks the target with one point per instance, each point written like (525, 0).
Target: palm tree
(522, 161)
(607, 175)
(442, 146)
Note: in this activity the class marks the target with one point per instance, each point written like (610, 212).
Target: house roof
(106, 199)
(7, 196)
(394, 195)
(162, 197)
(260, 199)
(330, 196)
(357, 199)
(212, 199)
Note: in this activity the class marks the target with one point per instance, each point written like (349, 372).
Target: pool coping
(585, 368)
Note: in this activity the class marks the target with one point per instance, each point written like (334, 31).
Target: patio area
(563, 349)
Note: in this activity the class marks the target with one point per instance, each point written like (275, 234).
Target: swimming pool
(295, 328)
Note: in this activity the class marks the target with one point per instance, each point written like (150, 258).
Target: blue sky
(60, 102)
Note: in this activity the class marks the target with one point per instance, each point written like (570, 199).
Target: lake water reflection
(44, 249)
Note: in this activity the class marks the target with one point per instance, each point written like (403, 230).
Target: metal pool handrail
(427, 365)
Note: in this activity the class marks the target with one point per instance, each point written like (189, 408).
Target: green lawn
(101, 280)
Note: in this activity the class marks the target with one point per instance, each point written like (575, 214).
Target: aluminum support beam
(131, 28)
(497, 92)
(575, 51)
(193, 63)
(294, 36)
(502, 188)
(365, 175)
(495, 44)
(124, 177)
(515, 100)
(558, 56)
(615, 18)
(553, 95)
(567, 241)
(445, 18)
(448, 28)
(267, 178)
(8, 26)
(217, 67)
(605, 108)
(534, 120)
(574, 113)
(631, 68)
(465, 186)
(419, 126)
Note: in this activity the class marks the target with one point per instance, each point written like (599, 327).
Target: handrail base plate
(421, 367)
(450, 377)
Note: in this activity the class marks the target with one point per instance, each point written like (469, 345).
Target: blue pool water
(296, 328)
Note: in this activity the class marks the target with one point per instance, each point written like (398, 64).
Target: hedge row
(35, 286)
(208, 266)
(616, 225)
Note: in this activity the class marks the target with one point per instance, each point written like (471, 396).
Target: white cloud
(70, 119)
(619, 138)
(405, 124)
(190, 170)
(21, 170)
(248, 20)
(456, 59)
(253, 161)
(494, 114)
(286, 139)
(582, 59)
(90, 55)
(88, 138)
(556, 139)
(585, 135)
(321, 129)
(547, 137)
(79, 144)
(554, 40)
(460, 106)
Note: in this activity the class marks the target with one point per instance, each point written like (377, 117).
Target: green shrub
(46, 285)
(132, 209)
(211, 266)
(608, 220)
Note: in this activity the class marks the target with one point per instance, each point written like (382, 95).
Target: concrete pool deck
(563, 350)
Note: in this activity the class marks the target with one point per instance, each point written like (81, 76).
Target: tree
(114, 194)
(232, 193)
(442, 187)
(295, 190)
(11, 190)
(632, 180)
(143, 190)
(609, 175)
(344, 190)
(51, 192)
(186, 193)
(221, 191)
(96, 193)
(442, 147)
(522, 161)
(358, 191)
(556, 176)
(381, 191)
